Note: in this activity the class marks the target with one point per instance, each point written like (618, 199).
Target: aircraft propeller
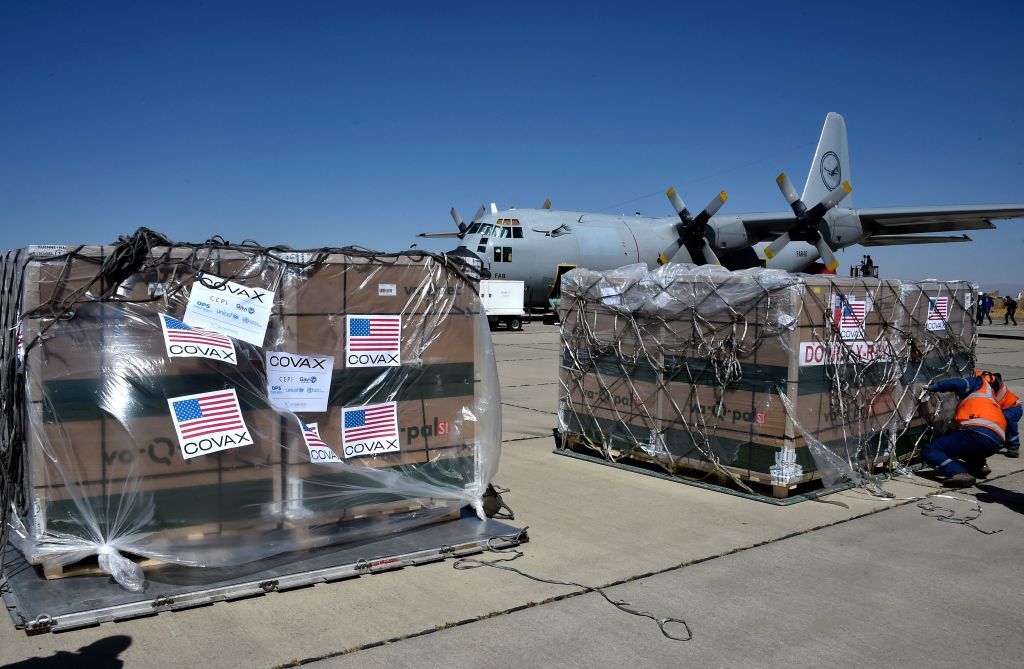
(691, 230)
(462, 226)
(807, 226)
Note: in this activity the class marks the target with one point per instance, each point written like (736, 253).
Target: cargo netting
(758, 376)
(215, 404)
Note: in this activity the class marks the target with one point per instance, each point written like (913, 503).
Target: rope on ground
(511, 552)
(947, 515)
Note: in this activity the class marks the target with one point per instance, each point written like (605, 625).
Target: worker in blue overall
(959, 455)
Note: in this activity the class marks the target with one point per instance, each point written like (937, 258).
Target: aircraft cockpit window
(503, 232)
(517, 233)
(473, 229)
(507, 254)
(486, 229)
(497, 254)
(481, 249)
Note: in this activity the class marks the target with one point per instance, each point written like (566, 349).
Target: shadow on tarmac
(102, 654)
(990, 494)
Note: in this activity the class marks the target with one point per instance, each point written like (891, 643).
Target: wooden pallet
(302, 530)
(691, 469)
(89, 566)
(305, 528)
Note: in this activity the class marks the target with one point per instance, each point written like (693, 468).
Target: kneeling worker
(981, 430)
(1012, 411)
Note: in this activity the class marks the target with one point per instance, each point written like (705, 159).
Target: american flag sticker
(208, 422)
(370, 429)
(318, 450)
(938, 313)
(848, 315)
(373, 341)
(188, 341)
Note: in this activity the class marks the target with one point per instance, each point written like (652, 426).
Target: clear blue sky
(321, 123)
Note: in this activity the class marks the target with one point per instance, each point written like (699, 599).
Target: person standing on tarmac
(986, 307)
(979, 315)
(1011, 308)
(959, 455)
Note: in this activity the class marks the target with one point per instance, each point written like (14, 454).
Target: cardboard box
(728, 354)
(101, 441)
(437, 386)
(103, 451)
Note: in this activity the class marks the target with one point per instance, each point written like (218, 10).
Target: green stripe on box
(818, 378)
(82, 399)
(172, 508)
(610, 364)
(701, 371)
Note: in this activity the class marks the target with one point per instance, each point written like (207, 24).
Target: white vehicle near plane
(537, 246)
(504, 302)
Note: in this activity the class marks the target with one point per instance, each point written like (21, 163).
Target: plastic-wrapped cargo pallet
(215, 404)
(758, 376)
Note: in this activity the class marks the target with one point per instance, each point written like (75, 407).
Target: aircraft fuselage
(550, 242)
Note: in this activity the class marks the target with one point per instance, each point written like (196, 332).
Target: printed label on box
(48, 250)
(318, 450)
(185, 341)
(814, 353)
(38, 519)
(785, 470)
(387, 289)
(370, 430)
(296, 257)
(299, 382)
(373, 341)
(208, 422)
(229, 308)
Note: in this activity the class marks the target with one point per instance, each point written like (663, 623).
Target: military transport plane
(538, 245)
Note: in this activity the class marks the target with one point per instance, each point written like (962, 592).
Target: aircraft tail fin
(831, 166)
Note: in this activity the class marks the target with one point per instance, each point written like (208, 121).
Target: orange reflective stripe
(980, 409)
(1006, 398)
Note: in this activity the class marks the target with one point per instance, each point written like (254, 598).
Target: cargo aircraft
(537, 246)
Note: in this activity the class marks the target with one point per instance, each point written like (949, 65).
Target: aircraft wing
(899, 240)
(890, 221)
(766, 226)
(950, 218)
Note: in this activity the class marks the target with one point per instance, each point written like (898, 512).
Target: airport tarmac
(847, 580)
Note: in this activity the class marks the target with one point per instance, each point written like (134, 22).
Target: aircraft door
(556, 287)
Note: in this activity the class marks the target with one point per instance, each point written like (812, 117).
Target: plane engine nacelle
(728, 234)
(841, 229)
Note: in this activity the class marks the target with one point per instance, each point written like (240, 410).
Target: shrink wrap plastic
(132, 425)
(758, 375)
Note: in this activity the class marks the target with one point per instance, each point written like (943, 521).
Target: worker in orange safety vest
(1012, 411)
(959, 455)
